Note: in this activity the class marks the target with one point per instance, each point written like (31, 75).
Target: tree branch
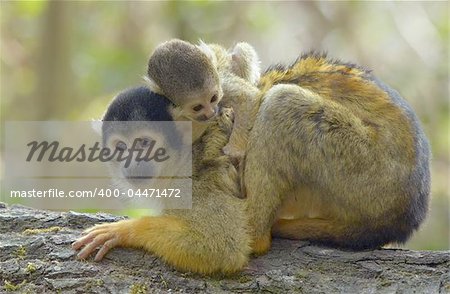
(36, 257)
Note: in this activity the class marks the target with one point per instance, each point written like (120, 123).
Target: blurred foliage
(65, 60)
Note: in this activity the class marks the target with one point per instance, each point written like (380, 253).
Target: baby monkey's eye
(214, 98)
(121, 145)
(197, 107)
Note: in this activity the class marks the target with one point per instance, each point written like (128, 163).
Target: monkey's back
(351, 140)
(352, 88)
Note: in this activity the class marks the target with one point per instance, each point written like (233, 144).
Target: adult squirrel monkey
(335, 156)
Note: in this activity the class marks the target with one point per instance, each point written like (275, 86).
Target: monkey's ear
(207, 51)
(245, 62)
(152, 85)
(97, 126)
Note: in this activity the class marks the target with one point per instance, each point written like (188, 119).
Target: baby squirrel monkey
(191, 77)
(188, 77)
(209, 238)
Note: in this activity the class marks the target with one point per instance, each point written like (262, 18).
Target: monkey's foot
(233, 151)
(262, 245)
(105, 236)
(236, 155)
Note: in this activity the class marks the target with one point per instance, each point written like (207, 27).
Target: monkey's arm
(244, 98)
(202, 240)
(146, 232)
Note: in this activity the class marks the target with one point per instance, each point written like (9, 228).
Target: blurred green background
(66, 60)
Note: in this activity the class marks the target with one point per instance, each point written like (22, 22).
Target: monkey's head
(187, 76)
(131, 122)
(245, 62)
(240, 60)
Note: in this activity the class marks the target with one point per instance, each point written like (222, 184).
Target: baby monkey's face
(202, 105)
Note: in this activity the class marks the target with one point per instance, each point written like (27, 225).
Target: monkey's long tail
(330, 232)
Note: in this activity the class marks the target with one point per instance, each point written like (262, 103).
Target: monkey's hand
(106, 236)
(236, 155)
(233, 151)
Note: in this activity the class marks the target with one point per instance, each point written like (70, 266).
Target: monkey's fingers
(96, 242)
(110, 244)
(233, 151)
(88, 236)
(227, 149)
(235, 158)
(96, 227)
(81, 242)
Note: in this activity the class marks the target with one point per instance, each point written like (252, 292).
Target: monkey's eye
(197, 107)
(121, 145)
(145, 141)
(214, 98)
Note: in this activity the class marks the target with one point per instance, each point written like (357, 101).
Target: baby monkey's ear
(208, 52)
(245, 62)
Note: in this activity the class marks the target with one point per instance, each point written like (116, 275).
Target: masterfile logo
(104, 165)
